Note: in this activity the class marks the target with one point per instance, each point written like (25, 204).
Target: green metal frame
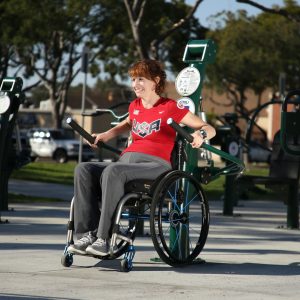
(197, 54)
(290, 123)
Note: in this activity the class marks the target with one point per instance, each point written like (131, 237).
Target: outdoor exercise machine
(174, 204)
(290, 123)
(11, 96)
(284, 170)
(198, 53)
(290, 142)
(258, 149)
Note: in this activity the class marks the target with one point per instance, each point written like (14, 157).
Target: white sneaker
(80, 246)
(99, 247)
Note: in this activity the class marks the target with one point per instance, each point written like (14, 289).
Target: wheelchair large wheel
(179, 220)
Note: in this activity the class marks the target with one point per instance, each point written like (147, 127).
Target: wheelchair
(174, 205)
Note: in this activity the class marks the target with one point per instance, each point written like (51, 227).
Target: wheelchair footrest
(119, 236)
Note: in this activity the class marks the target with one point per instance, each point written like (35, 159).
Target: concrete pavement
(250, 255)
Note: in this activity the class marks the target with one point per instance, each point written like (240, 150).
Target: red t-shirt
(150, 132)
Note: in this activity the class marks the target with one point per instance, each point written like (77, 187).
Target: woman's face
(142, 86)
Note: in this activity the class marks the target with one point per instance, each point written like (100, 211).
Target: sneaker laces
(100, 242)
(86, 239)
(83, 240)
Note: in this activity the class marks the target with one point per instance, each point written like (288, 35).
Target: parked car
(58, 144)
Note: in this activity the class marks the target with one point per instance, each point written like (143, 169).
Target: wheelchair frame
(174, 204)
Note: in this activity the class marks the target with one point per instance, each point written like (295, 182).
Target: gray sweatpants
(99, 186)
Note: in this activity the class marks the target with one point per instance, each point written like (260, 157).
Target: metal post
(293, 207)
(189, 85)
(230, 196)
(282, 84)
(84, 69)
(10, 99)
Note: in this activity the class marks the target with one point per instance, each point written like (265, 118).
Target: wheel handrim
(180, 220)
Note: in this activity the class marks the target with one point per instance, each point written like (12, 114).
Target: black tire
(67, 260)
(33, 158)
(179, 220)
(60, 156)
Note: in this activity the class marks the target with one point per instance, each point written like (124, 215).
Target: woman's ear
(156, 81)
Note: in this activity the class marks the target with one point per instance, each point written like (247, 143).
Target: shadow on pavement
(4, 296)
(209, 268)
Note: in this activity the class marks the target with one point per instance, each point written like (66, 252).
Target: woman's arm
(203, 130)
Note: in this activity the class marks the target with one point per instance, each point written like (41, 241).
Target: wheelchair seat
(139, 186)
(144, 186)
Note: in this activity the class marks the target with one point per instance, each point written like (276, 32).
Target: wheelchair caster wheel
(67, 260)
(125, 265)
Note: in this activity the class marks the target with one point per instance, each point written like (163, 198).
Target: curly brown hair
(150, 69)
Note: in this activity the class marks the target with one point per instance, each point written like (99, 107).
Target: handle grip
(237, 165)
(88, 137)
(81, 131)
(289, 99)
(180, 130)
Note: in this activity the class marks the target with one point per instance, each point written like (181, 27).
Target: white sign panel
(187, 81)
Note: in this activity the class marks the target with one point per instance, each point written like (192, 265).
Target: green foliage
(37, 94)
(113, 35)
(45, 39)
(253, 51)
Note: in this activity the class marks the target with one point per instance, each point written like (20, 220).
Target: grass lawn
(47, 172)
(16, 198)
(51, 172)
(215, 189)
(63, 173)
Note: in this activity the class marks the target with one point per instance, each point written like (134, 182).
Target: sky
(211, 7)
(205, 10)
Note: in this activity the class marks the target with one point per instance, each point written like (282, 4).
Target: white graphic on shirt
(144, 129)
(161, 112)
(136, 112)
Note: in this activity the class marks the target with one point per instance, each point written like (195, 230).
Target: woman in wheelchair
(99, 186)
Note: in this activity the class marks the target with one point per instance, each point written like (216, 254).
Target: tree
(136, 12)
(287, 12)
(7, 33)
(44, 41)
(158, 29)
(47, 43)
(252, 51)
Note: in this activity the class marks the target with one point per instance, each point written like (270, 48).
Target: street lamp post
(84, 69)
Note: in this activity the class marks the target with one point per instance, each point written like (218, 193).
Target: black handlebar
(180, 130)
(289, 99)
(88, 137)
(236, 165)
